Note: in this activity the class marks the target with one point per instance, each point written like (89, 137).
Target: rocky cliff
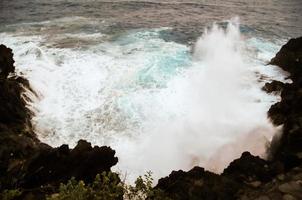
(27, 163)
(250, 177)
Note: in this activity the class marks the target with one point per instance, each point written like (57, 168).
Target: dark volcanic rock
(17, 140)
(198, 184)
(289, 58)
(28, 163)
(285, 186)
(288, 112)
(274, 86)
(24, 160)
(6, 61)
(246, 172)
(251, 177)
(13, 108)
(251, 168)
(58, 165)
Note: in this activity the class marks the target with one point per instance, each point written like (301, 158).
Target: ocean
(168, 84)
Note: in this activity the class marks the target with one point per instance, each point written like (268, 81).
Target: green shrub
(108, 186)
(143, 189)
(10, 194)
(105, 187)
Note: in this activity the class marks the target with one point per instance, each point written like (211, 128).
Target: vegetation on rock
(30, 169)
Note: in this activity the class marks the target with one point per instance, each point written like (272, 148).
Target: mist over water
(207, 115)
(168, 85)
(161, 105)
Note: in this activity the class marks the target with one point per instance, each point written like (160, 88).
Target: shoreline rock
(251, 177)
(25, 161)
(288, 112)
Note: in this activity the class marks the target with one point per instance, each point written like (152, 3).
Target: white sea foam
(157, 105)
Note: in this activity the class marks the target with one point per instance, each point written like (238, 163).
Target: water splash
(159, 106)
(208, 115)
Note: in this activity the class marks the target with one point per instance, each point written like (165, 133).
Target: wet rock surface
(289, 58)
(28, 163)
(245, 173)
(198, 184)
(288, 112)
(54, 166)
(274, 86)
(250, 177)
(17, 140)
(285, 186)
(6, 61)
(25, 161)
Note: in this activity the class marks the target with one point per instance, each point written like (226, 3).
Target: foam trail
(157, 105)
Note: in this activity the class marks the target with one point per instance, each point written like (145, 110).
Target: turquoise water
(162, 64)
(156, 81)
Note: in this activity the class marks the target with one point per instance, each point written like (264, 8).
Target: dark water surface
(270, 18)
